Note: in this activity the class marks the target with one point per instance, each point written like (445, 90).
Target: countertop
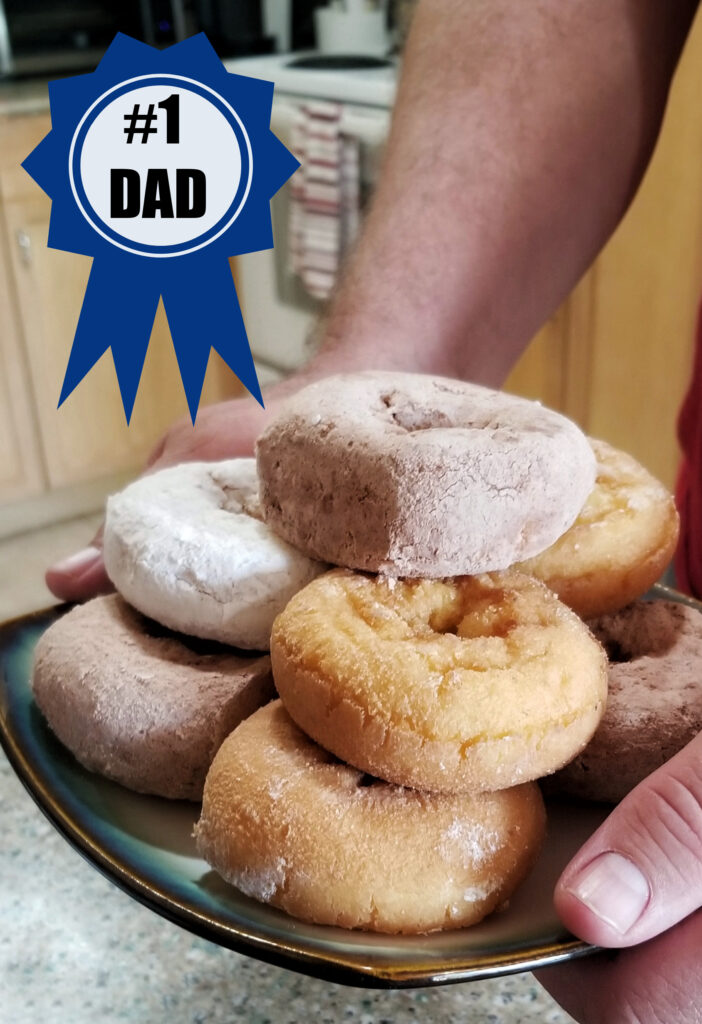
(77, 950)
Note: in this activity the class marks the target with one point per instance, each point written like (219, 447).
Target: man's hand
(639, 875)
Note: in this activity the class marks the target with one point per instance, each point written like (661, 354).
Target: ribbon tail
(203, 313)
(118, 312)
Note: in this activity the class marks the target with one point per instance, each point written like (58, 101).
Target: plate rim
(336, 967)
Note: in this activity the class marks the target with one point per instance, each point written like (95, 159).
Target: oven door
(278, 311)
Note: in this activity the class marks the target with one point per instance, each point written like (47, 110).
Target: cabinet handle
(24, 243)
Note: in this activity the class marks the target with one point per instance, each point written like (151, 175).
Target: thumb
(641, 872)
(81, 575)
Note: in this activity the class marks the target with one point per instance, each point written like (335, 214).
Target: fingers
(656, 982)
(81, 575)
(641, 872)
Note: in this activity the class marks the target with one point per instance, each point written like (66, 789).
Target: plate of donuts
(144, 844)
(311, 723)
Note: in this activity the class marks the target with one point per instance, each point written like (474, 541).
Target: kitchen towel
(325, 194)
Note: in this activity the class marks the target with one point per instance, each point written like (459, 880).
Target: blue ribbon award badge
(160, 165)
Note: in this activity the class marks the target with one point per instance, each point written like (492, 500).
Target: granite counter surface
(76, 950)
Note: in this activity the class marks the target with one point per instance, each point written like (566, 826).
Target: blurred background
(615, 357)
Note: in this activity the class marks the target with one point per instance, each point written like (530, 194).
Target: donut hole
(413, 416)
(475, 613)
(238, 500)
(617, 653)
(644, 629)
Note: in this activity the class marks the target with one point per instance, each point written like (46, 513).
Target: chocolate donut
(654, 707)
(138, 704)
(420, 476)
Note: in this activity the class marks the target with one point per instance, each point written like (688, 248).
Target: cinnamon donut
(654, 706)
(420, 476)
(619, 545)
(454, 685)
(139, 705)
(187, 547)
(289, 825)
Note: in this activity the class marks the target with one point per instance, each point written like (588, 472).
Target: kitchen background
(615, 357)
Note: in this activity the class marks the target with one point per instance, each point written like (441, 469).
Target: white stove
(277, 310)
(372, 86)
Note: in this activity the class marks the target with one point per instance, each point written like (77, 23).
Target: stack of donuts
(419, 556)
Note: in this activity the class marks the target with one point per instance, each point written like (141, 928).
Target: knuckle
(670, 815)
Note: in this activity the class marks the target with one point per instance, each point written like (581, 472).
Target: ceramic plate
(144, 845)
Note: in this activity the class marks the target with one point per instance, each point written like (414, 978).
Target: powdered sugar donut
(420, 476)
(619, 545)
(138, 704)
(654, 706)
(291, 826)
(187, 546)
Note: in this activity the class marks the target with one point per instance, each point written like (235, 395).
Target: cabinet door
(646, 286)
(21, 471)
(88, 436)
(539, 374)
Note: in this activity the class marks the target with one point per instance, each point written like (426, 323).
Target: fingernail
(76, 565)
(614, 889)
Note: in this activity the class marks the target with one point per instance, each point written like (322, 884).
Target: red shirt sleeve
(688, 494)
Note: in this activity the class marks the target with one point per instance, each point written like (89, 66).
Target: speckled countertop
(76, 950)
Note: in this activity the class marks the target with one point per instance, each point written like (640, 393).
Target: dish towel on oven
(325, 195)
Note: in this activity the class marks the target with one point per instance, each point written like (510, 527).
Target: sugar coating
(413, 475)
(188, 547)
(289, 825)
(141, 705)
(472, 840)
(654, 705)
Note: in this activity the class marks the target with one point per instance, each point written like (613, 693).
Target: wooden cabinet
(46, 449)
(617, 356)
(21, 467)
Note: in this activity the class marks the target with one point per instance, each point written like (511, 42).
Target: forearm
(520, 134)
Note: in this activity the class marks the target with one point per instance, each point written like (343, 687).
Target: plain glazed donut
(290, 826)
(455, 685)
(139, 705)
(619, 545)
(420, 476)
(654, 706)
(187, 547)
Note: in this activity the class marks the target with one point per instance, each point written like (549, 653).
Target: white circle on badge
(207, 144)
